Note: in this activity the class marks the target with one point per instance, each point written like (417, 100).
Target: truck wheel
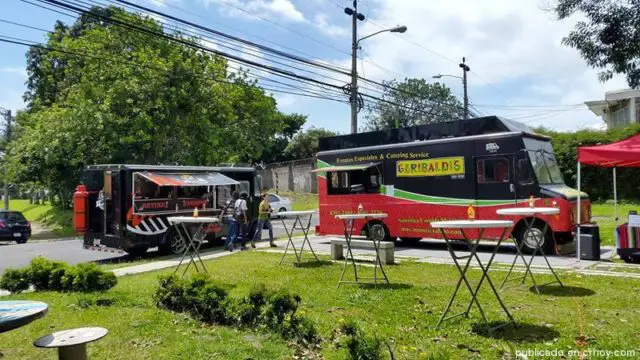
(173, 243)
(410, 240)
(534, 236)
(379, 231)
(137, 251)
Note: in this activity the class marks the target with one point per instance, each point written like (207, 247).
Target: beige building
(619, 108)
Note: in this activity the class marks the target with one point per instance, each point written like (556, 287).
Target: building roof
(168, 168)
(611, 98)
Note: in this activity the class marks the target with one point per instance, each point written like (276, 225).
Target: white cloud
(276, 9)
(12, 100)
(321, 21)
(15, 70)
(513, 45)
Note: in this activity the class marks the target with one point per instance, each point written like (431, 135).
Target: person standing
(264, 219)
(233, 223)
(240, 215)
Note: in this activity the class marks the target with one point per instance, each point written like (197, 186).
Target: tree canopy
(608, 38)
(305, 143)
(413, 102)
(275, 149)
(102, 93)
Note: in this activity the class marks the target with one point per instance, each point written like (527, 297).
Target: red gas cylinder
(81, 209)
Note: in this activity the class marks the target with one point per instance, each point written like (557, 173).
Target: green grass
(60, 222)
(404, 314)
(603, 214)
(300, 201)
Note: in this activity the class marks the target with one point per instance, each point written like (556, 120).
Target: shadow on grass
(519, 332)
(557, 290)
(392, 286)
(311, 264)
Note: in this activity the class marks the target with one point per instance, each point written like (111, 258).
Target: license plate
(17, 234)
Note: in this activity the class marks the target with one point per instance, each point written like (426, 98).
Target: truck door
(112, 194)
(495, 178)
(525, 180)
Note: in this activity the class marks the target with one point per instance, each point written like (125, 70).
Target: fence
(290, 176)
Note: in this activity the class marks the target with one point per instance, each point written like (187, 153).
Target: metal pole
(7, 140)
(465, 69)
(354, 68)
(615, 196)
(578, 220)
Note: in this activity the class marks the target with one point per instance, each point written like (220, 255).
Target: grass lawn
(603, 214)
(590, 311)
(300, 201)
(60, 222)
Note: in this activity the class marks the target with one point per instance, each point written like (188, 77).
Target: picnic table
(479, 226)
(348, 221)
(15, 314)
(303, 227)
(193, 240)
(529, 214)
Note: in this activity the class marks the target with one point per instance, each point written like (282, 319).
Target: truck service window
(494, 170)
(355, 182)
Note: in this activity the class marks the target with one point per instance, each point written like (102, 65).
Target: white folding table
(303, 227)
(192, 241)
(480, 226)
(348, 221)
(529, 214)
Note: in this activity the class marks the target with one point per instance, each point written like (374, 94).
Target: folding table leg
(347, 236)
(539, 249)
(289, 242)
(460, 280)
(190, 244)
(305, 231)
(200, 233)
(186, 249)
(515, 259)
(378, 262)
(485, 274)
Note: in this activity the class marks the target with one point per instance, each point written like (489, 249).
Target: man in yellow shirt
(264, 218)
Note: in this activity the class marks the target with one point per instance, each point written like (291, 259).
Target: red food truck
(125, 207)
(435, 172)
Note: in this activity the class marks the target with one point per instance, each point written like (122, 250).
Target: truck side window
(524, 172)
(492, 170)
(355, 182)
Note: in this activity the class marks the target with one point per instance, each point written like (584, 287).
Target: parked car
(13, 226)
(278, 204)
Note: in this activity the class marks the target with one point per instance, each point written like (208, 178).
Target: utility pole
(7, 117)
(353, 99)
(465, 69)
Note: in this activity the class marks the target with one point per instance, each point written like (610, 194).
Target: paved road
(71, 251)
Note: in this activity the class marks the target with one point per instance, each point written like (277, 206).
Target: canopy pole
(615, 196)
(579, 214)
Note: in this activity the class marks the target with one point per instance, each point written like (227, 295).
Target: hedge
(596, 181)
(47, 275)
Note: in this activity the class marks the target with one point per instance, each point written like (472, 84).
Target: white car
(278, 204)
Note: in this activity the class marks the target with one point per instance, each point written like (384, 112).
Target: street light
(354, 67)
(465, 68)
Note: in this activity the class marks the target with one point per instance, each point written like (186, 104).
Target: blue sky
(519, 69)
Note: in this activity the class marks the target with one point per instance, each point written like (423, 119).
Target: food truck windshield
(544, 162)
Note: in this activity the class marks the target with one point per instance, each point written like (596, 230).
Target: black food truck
(125, 207)
(436, 172)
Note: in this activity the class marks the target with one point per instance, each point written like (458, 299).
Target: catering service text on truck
(126, 206)
(435, 172)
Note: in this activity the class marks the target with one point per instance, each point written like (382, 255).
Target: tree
(609, 36)
(305, 143)
(275, 149)
(103, 93)
(413, 102)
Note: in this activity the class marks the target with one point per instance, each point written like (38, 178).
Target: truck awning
(345, 167)
(197, 179)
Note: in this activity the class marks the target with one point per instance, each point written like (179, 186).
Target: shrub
(15, 280)
(359, 346)
(40, 272)
(170, 294)
(44, 274)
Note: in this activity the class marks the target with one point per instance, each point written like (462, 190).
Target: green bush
(359, 346)
(15, 280)
(208, 302)
(40, 272)
(44, 275)
(596, 181)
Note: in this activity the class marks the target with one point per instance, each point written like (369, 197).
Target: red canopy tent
(624, 153)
